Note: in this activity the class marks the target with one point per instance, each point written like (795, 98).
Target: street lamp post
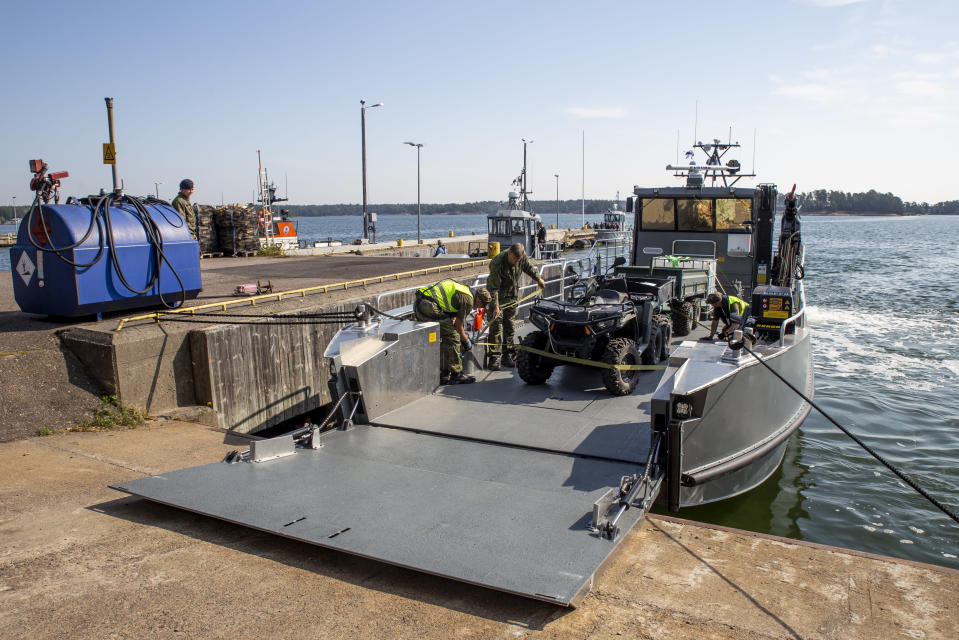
(363, 108)
(418, 145)
(557, 199)
(14, 207)
(156, 186)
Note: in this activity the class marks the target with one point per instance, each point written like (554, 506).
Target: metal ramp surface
(573, 413)
(503, 517)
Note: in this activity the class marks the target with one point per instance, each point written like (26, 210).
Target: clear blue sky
(851, 95)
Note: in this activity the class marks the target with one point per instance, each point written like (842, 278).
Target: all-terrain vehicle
(612, 319)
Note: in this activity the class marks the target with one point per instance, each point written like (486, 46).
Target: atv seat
(609, 296)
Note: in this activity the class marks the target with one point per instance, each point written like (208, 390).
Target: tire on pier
(621, 351)
(532, 367)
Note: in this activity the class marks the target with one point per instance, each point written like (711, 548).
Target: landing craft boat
(530, 489)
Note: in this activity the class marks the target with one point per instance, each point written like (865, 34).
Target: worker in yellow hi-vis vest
(448, 302)
(726, 308)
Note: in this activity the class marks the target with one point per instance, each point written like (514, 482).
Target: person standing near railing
(503, 285)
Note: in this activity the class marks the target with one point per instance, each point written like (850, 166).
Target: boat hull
(742, 421)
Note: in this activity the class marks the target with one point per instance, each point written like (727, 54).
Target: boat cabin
(728, 224)
(511, 225)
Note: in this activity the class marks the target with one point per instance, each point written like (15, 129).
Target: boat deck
(572, 413)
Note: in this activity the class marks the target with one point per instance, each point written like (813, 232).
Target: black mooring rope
(912, 483)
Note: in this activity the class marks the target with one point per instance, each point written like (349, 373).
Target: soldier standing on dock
(503, 285)
(182, 204)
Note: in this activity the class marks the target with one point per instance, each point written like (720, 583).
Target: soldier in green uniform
(448, 302)
(503, 285)
(182, 204)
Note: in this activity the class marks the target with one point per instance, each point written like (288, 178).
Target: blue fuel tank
(46, 282)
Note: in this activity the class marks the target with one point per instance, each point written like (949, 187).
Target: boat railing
(799, 318)
(550, 293)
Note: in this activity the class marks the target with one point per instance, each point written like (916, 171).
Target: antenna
(730, 134)
(696, 123)
(677, 146)
(286, 178)
(584, 177)
(754, 150)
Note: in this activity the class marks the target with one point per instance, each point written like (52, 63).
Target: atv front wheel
(621, 382)
(532, 367)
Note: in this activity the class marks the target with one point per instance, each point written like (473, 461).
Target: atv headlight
(538, 319)
(603, 325)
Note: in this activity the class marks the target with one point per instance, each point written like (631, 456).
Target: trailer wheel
(621, 351)
(666, 331)
(532, 367)
(684, 319)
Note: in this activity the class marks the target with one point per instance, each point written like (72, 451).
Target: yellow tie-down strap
(588, 363)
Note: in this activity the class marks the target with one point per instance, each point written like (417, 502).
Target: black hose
(912, 483)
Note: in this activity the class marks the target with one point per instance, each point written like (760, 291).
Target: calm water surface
(884, 307)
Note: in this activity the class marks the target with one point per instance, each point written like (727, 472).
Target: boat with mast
(273, 230)
(530, 489)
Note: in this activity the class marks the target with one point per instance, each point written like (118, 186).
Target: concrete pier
(80, 560)
(250, 376)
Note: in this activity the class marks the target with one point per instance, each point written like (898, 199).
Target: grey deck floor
(572, 413)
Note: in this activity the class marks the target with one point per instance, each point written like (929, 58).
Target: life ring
(284, 229)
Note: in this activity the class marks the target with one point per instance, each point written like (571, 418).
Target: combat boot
(509, 360)
(493, 364)
(461, 378)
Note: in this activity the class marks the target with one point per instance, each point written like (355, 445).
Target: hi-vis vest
(730, 301)
(442, 294)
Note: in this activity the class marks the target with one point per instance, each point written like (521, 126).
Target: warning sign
(109, 153)
(25, 268)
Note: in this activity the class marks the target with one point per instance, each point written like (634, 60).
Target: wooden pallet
(213, 254)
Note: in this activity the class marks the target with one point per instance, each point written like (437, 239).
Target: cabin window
(518, 227)
(499, 226)
(732, 213)
(658, 214)
(694, 214)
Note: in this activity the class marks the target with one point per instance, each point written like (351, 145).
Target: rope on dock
(322, 288)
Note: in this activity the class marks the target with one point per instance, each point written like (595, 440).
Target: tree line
(830, 201)
(448, 208)
(818, 201)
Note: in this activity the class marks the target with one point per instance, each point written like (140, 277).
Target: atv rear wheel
(532, 367)
(650, 354)
(666, 331)
(621, 382)
(684, 319)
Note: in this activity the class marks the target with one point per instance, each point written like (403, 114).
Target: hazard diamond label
(25, 268)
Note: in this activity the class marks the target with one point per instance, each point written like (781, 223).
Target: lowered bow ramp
(502, 517)
(492, 484)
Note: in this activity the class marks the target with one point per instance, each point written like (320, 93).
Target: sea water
(883, 297)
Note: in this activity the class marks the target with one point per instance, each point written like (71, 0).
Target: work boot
(444, 377)
(461, 378)
(509, 360)
(494, 364)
